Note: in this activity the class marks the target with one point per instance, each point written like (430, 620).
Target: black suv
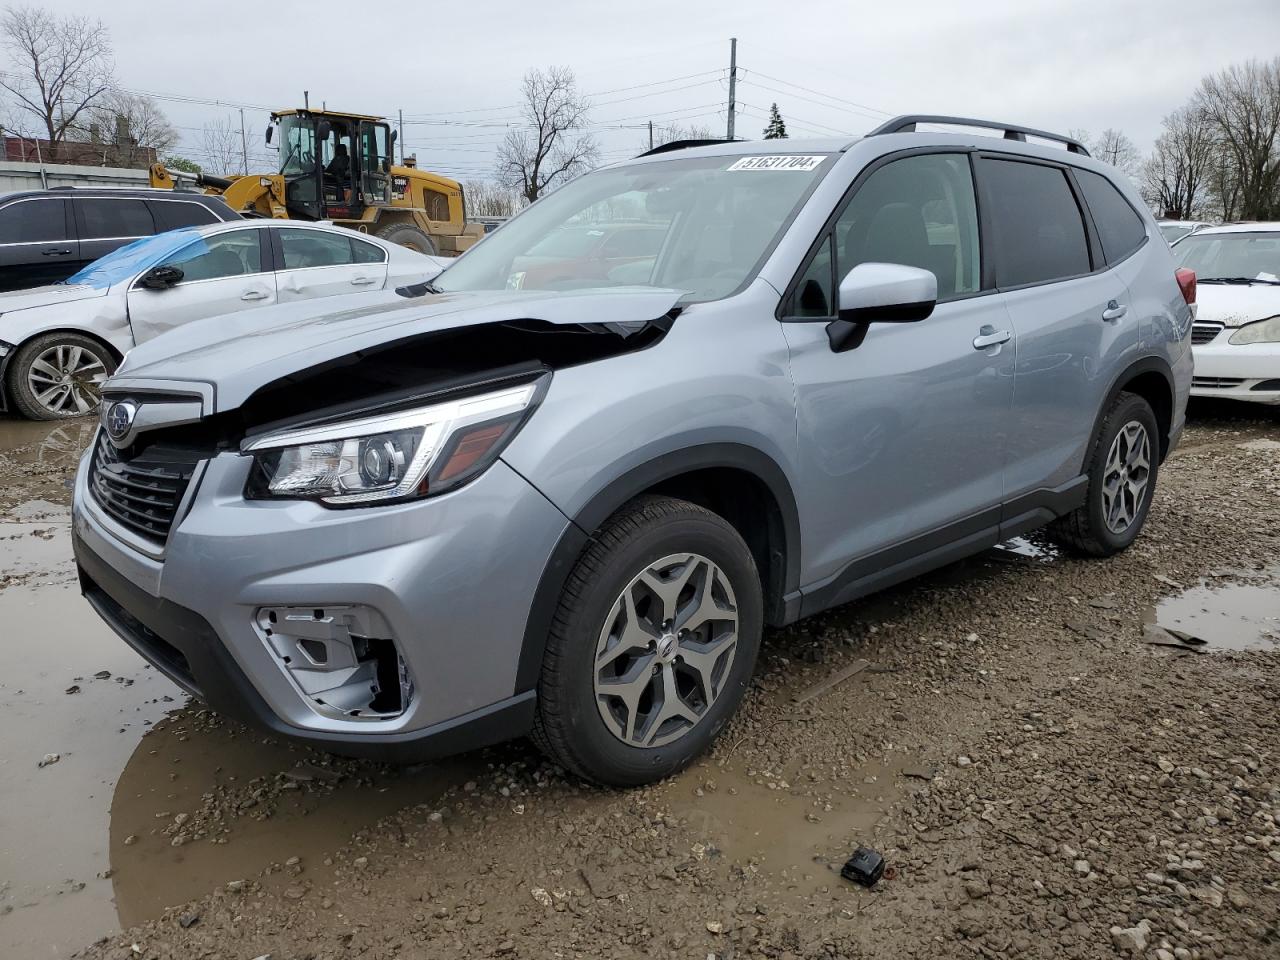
(47, 235)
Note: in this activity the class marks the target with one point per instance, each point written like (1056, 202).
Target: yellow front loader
(337, 166)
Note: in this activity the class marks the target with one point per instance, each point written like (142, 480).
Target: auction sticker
(783, 162)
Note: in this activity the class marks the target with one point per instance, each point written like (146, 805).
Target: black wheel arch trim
(627, 487)
(1149, 364)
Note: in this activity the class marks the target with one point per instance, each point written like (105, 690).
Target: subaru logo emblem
(119, 419)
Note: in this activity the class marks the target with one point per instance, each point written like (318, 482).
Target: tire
(37, 369)
(1087, 529)
(585, 730)
(407, 235)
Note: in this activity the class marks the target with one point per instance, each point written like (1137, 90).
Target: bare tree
(488, 199)
(219, 149)
(1242, 103)
(1115, 148)
(669, 133)
(553, 146)
(135, 124)
(61, 66)
(1176, 177)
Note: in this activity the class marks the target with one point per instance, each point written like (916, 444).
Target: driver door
(223, 273)
(375, 163)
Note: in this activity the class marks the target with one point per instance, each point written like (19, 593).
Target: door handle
(992, 338)
(361, 281)
(1114, 311)
(56, 252)
(254, 295)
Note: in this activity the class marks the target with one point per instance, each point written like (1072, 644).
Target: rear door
(223, 273)
(37, 244)
(1069, 315)
(325, 263)
(105, 223)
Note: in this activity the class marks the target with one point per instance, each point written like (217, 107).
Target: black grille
(142, 491)
(1216, 383)
(1205, 332)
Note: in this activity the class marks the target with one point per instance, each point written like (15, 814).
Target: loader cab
(335, 165)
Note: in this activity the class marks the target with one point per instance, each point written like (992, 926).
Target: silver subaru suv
(562, 488)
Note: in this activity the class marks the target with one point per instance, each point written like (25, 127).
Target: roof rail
(907, 124)
(682, 145)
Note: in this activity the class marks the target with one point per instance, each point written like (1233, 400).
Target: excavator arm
(257, 195)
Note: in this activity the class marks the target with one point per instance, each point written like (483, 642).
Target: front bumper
(1237, 371)
(453, 576)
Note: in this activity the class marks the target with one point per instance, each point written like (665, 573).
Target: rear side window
(367, 252)
(1039, 233)
(33, 221)
(174, 214)
(1119, 226)
(312, 248)
(107, 218)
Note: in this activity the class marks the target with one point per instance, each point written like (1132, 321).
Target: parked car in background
(474, 511)
(1236, 337)
(47, 235)
(58, 343)
(1175, 230)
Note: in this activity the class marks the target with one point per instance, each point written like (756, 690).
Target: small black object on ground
(865, 867)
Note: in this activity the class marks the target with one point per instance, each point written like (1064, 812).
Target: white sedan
(1236, 336)
(58, 343)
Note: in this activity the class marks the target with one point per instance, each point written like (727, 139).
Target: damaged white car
(58, 343)
(1236, 336)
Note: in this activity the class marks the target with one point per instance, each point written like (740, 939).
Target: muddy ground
(1048, 771)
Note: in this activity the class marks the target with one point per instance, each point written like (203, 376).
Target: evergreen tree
(777, 128)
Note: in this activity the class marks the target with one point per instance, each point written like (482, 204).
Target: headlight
(1260, 331)
(402, 455)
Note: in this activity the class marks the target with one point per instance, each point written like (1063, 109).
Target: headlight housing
(400, 455)
(1260, 331)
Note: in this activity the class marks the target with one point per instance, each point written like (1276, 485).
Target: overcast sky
(831, 65)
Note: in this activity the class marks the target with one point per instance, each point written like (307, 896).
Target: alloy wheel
(66, 379)
(666, 650)
(1126, 476)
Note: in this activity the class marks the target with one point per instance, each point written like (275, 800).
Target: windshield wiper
(1237, 280)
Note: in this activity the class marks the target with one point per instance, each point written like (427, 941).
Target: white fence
(16, 175)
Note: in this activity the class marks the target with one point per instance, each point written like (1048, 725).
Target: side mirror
(323, 129)
(880, 293)
(161, 277)
(270, 130)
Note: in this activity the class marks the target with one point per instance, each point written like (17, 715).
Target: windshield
(1231, 256)
(126, 261)
(697, 224)
(1174, 231)
(297, 145)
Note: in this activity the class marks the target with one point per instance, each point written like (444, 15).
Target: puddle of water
(57, 444)
(1233, 616)
(793, 834)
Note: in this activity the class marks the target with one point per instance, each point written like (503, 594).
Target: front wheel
(652, 646)
(1122, 471)
(59, 375)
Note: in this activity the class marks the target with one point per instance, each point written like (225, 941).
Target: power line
(829, 96)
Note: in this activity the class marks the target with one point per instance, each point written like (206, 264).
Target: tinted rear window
(1120, 228)
(175, 214)
(1039, 234)
(106, 218)
(32, 221)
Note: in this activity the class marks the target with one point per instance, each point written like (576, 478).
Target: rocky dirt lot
(1047, 769)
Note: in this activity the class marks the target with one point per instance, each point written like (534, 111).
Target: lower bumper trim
(184, 647)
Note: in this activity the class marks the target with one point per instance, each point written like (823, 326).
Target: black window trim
(1097, 263)
(985, 287)
(68, 222)
(1146, 231)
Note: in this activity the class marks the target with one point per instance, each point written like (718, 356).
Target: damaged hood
(239, 353)
(50, 296)
(1235, 305)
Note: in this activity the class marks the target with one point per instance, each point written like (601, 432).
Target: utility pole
(244, 146)
(306, 99)
(650, 134)
(733, 80)
(401, 137)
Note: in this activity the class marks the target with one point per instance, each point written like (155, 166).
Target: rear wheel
(407, 235)
(59, 375)
(652, 646)
(1122, 479)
